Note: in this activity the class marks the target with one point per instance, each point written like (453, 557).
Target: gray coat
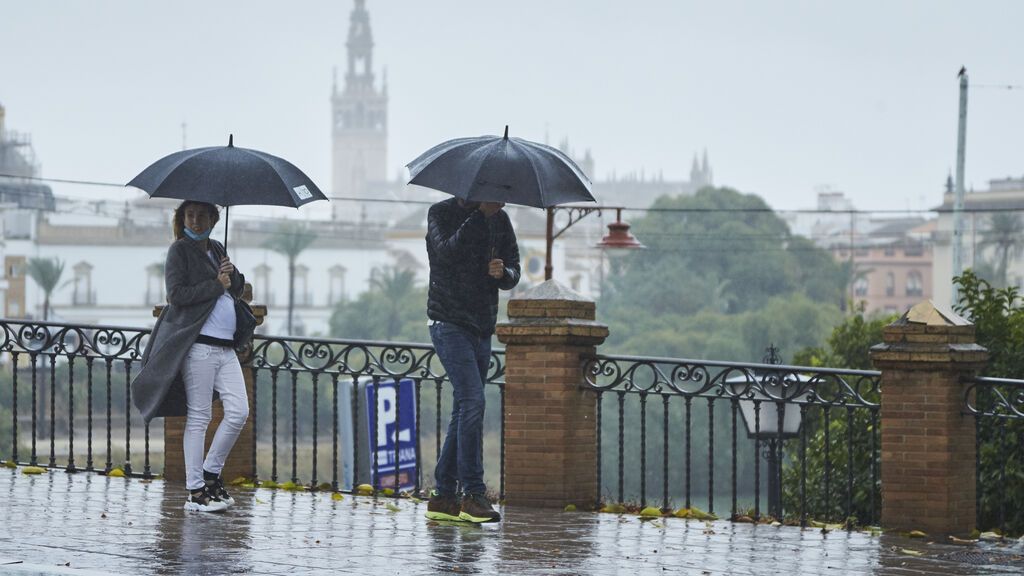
(192, 291)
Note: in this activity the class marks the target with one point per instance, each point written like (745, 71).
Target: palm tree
(46, 273)
(1006, 235)
(395, 285)
(290, 239)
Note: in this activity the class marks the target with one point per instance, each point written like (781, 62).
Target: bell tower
(359, 115)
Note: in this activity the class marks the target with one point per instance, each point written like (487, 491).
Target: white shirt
(221, 322)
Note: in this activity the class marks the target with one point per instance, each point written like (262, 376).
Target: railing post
(928, 449)
(240, 463)
(550, 421)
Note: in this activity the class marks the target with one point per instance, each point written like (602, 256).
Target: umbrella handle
(227, 215)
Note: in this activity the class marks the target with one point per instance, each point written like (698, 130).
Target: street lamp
(618, 238)
(771, 415)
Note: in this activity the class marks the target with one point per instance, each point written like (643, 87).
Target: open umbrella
(501, 169)
(228, 176)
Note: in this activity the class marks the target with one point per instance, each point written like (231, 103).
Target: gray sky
(860, 95)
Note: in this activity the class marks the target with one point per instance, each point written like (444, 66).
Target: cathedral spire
(360, 49)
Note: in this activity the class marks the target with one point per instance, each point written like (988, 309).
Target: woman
(190, 354)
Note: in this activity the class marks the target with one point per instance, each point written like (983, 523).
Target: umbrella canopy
(228, 176)
(501, 169)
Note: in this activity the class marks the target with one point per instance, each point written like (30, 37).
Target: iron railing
(63, 381)
(997, 405)
(697, 396)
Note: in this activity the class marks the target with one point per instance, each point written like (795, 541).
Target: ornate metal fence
(997, 405)
(351, 372)
(834, 412)
(61, 382)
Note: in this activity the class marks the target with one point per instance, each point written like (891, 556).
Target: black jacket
(460, 244)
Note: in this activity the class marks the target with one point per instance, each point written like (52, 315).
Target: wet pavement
(58, 523)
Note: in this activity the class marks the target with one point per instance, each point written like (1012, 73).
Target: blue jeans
(465, 358)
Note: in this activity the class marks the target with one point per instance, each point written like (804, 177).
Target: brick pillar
(928, 451)
(550, 422)
(240, 462)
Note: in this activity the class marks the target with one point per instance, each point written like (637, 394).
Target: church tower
(359, 116)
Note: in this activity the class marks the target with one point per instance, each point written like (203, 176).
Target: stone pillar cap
(551, 290)
(931, 314)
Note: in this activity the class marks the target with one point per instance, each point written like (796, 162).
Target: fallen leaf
(240, 480)
(393, 508)
(911, 552)
(337, 496)
(116, 473)
(32, 470)
(10, 464)
(916, 534)
(570, 508)
(956, 540)
(650, 512)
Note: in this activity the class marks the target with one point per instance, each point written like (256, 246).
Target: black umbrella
(228, 176)
(501, 169)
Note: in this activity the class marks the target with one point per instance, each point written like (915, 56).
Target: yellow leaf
(682, 513)
(388, 492)
(32, 470)
(364, 490)
(116, 473)
(393, 508)
(10, 464)
(650, 512)
(240, 481)
(269, 484)
(699, 514)
(292, 486)
(337, 496)
(916, 534)
(570, 508)
(911, 552)
(614, 509)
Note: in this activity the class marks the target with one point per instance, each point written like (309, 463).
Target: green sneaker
(441, 507)
(477, 508)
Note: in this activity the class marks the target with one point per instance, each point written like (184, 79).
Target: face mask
(196, 237)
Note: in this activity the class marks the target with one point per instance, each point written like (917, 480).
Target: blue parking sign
(391, 431)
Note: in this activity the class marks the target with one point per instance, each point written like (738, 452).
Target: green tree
(1005, 234)
(394, 308)
(827, 456)
(46, 273)
(998, 317)
(290, 239)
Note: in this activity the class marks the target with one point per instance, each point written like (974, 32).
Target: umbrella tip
(506, 131)
(231, 140)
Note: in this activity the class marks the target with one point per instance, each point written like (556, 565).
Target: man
(473, 253)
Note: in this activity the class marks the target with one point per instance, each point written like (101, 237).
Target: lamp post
(771, 416)
(618, 237)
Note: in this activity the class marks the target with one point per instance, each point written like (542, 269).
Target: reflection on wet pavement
(62, 523)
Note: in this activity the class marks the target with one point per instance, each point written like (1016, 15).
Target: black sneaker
(203, 500)
(443, 507)
(477, 508)
(216, 486)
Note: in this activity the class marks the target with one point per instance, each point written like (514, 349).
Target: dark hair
(178, 221)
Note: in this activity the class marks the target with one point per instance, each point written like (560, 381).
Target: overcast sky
(785, 96)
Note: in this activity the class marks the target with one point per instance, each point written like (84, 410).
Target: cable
(759, 210)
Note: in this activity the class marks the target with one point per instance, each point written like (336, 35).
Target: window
(155, 284)
(261, 290)
(915, 285)
(335, 284)
(82, 294)
(860, 286)
(302, 295)
(890, 284)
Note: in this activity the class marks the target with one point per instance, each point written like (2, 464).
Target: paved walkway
(58, 523)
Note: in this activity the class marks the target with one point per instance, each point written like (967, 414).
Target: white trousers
(209, 368)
